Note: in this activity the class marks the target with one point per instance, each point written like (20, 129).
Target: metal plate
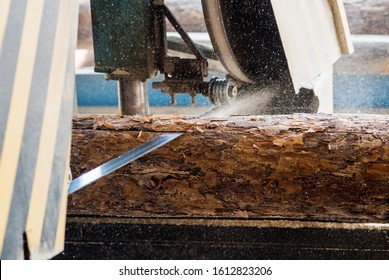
(246, 39)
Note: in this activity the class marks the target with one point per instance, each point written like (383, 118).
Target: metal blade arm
(116, 163)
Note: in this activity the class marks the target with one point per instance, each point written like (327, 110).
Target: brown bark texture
(303, 167)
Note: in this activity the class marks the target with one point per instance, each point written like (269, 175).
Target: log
(368, 16)
(298, 167)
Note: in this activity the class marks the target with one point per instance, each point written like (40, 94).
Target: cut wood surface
(310, 167)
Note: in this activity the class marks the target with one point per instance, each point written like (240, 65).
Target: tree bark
(310, 167)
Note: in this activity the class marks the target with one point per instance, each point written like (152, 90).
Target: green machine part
(127, 38)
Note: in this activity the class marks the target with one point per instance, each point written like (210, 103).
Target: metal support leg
(133, 97)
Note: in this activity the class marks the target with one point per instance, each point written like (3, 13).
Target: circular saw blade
(246, 39)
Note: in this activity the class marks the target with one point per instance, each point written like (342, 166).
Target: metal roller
(222, 91)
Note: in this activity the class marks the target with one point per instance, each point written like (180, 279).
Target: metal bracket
(182, 75)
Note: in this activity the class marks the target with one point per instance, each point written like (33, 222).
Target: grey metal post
(133, 97)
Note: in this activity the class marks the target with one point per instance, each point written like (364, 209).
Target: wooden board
(311, 167)
(314, 35)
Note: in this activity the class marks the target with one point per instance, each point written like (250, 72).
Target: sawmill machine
(265, 47)
(279, 53)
